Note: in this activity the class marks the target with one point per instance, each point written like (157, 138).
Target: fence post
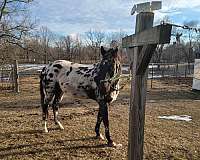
(144, 20)
(185, 70)
(152, 75)
(16, 76)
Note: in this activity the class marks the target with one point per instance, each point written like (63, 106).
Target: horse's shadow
(8, 134)
(37, 131)
(41, 150)
(38, 147)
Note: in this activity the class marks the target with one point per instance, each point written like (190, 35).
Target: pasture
(22, 137)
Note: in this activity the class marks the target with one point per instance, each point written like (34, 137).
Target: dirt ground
(21, 135)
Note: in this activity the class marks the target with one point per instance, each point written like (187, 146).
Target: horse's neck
(104, 69)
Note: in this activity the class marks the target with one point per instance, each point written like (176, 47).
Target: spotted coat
(82, 81)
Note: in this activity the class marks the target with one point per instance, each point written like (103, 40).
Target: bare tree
(77, 48)
(197, 46)
(59, 46)
(14, 21)
(15, 25)
(94, 39)
(115, 40)
(115, 36)
(46, 36)
(68, 42)
(158, 54)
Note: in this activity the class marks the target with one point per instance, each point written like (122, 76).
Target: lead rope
(117, 77)
(127, 81)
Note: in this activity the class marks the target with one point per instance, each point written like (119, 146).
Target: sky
(69, 17)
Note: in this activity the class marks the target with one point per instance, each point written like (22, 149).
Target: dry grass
(21, 135)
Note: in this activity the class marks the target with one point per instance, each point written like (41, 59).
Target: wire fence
(175, 71)
(160, 70)
(156, 71)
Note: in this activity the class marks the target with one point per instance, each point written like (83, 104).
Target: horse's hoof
(61, 127)
(46, 131)
(113, 144)
(100, 137)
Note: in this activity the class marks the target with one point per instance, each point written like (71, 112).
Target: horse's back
(74, 79)
(64, 64)
(77, 80)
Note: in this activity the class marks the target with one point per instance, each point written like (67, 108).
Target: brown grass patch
(21, 135)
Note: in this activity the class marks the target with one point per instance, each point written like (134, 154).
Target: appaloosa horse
(97, 82)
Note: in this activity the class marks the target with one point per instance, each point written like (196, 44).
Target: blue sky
(69, 17)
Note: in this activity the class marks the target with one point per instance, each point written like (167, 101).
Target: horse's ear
(102, 50)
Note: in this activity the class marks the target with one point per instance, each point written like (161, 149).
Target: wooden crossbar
(156, 35)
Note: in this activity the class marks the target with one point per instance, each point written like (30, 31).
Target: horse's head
(111, 61)
(109, 73)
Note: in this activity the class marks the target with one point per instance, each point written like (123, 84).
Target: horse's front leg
(55, 106)
(55, 112)
(97, 127)
(103, 109)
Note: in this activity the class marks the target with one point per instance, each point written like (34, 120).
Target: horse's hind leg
(56, 101)
(44, 103)
(45, 106)
(45, 115)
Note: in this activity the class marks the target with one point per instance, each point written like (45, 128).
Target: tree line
(21, 39)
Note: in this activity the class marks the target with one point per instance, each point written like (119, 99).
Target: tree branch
(3, 7)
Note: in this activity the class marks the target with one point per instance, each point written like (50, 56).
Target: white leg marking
(101, 137)
(56, 120)
(60, 125)
(115, 145)
(45, 127)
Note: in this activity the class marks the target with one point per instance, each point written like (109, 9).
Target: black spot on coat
(79, 72)
(83, 68)
(79, 87)
(43, 69)
(86, 75)
(67, 74)
(59, 66)
(50, 75)
(89, 70)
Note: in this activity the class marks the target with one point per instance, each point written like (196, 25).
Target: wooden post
(144, 20)
(140, 47)
(16, 76)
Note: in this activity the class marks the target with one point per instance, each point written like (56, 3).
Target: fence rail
(9, 73)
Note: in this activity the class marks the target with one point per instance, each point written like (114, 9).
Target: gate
(7, 77)
(9, 80)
